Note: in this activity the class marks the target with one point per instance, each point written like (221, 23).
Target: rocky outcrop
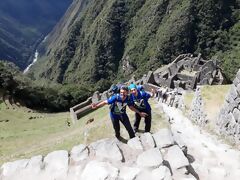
(228, 122)
(154, 156)
(197, 113)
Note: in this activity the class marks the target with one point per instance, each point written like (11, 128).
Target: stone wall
(197, 112)
(150, 156)
(228, 122)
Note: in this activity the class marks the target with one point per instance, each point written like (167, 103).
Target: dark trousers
(147, 121)
(125, 121)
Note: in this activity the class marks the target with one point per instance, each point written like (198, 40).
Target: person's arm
(100, 104)
(142, 114)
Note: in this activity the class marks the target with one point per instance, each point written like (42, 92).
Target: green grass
(22, 137)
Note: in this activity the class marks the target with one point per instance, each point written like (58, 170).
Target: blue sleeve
(112, 99)
(146, 95)
(130, 101)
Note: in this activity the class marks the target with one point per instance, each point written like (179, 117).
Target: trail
(212, 159)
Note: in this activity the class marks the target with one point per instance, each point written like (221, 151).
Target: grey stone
(150, 158)
(107, 149)
(236, 114)
(161, 173)
(175, 157)
(35, 164)
(104, 96)
(238, 88)
(147, 141)
(128, 173)
(96, 97)
(233, 92)
(10, 168)
(56, 164)
(135, 143)
(163, 138)
(96, 170)
(79, 153)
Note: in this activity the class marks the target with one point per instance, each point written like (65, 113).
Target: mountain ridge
(111, 40)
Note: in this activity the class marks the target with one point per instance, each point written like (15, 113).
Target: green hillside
(99, 42)
(25, 133)
(23, 24)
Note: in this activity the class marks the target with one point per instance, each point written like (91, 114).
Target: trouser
(125, 121)
(147, 121)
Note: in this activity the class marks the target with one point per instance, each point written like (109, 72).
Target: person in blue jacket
(140, 101)
(118, 103)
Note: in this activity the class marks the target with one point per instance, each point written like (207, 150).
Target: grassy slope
(213, 98)
(22, 137)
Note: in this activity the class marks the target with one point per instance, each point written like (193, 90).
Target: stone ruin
(185, 72)
(228, 122)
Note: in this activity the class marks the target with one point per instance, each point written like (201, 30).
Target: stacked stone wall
(197, 113)
(228, 122)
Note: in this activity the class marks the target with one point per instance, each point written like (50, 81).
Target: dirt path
(212, 159)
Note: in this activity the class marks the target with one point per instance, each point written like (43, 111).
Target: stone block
(135, 143)
(175, 157)
(96, 97)
(96, 170)
(236, 114)
(56, 164)
(79, 153)
(147, 141)
(163, 138)
(104, 96)
(161, 173)
(107, 149)
(11, 168)
(150, 158)
(129, 173)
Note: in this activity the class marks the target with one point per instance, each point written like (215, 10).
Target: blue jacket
(141, 101)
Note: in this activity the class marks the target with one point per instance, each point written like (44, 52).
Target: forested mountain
(100, 41)
(23, 23)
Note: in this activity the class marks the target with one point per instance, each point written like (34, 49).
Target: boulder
(107, 149)
(163, 138)
(176, 158)
(147, 141)
(150, 158)
(56, 164)
(161, 173)
(96, 170)
(11, 168)
(135, 143)
(79, 153)
(128, 173)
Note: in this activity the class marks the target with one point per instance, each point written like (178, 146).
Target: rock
(56, 164)
(161, 173)
(150, 158)
(135, 143)
(35, 164)
(11, 168)
(175, 157)
(107, 149)
(147, 141)
(128, 173)
(79, 153)
(96, 170)
(163, 138)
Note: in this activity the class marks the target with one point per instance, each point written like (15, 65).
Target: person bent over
(118, 103)
(140, 101)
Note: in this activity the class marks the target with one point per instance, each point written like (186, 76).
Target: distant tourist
(140, 101)
(118, 104)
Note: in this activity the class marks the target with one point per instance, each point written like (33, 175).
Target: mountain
(102, 41)
(24, 23)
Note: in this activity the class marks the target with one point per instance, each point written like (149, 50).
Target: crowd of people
(136, 98)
